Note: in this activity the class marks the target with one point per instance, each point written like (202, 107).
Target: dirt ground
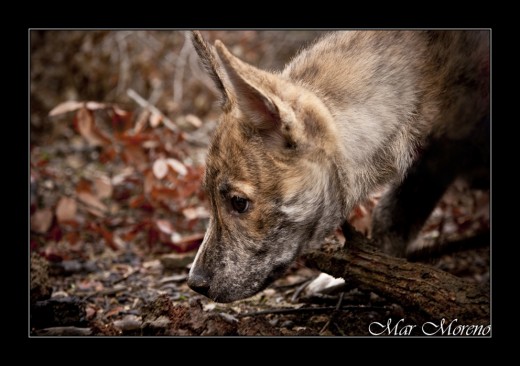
(117, 211)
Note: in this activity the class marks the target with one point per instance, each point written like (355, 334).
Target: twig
(145, 104)
(321, 309)
(333, 314)
(106, 292)
(125, 277)
(178, 76)
(299, 290)
(124, 61)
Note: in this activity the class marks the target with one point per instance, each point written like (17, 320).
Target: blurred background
(153, 105)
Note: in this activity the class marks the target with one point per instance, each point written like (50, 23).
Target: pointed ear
(253, 90)
(210, 64)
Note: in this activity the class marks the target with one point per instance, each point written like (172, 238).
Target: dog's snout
(198, 281)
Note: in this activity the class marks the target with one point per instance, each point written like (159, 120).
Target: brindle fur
(304, 146)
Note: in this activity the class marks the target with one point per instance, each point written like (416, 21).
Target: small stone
(177, 260)
(128, 323)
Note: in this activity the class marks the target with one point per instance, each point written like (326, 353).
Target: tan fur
(305, 145)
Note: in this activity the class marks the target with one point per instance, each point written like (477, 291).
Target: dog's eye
(239, 204)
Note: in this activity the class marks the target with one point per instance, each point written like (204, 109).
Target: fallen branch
(422, 290)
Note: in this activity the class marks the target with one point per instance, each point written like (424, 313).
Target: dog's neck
(373, 114)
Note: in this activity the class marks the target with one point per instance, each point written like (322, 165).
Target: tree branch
(421, 289)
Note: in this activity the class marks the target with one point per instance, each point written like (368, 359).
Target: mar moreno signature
(443, 327)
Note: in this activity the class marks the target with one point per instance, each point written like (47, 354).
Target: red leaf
(134, 155)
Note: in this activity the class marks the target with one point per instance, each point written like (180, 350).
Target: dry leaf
(87, 128)
(148, 184)
(135, 156)
(94, 205)
(165, 226)
(41, 221)
(177, 166)
(120, 112)
(121, 176)
(115, 311)
(188, 242)
(66, 210)
(155, 120)
(95, 105)
(103, 187)
(193, 120)
(65, 107)
(192, 213)
(160, 168)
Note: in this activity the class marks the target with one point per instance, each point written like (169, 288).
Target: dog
(295, 151)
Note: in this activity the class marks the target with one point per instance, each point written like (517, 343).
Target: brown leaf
(41, 220)
(188, 242)
(136, 201)
(135, 156)
(177, 166)
(120, 112)
(165, 226)
(115, 311)
(103, 187)
(65, 107)
(72, 237)
(109, 238)
(87, 129)
(148, 184)
(66, 210)
(84, 185)
(193, 120)
(94, 205)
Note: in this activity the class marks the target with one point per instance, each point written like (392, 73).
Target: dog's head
(271, 178)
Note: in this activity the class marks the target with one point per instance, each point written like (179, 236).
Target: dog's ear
(210, 63)
(257, 95)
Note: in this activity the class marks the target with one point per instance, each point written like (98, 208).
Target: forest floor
(117, 211)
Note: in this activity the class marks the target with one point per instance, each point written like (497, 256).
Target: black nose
(198, 281)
